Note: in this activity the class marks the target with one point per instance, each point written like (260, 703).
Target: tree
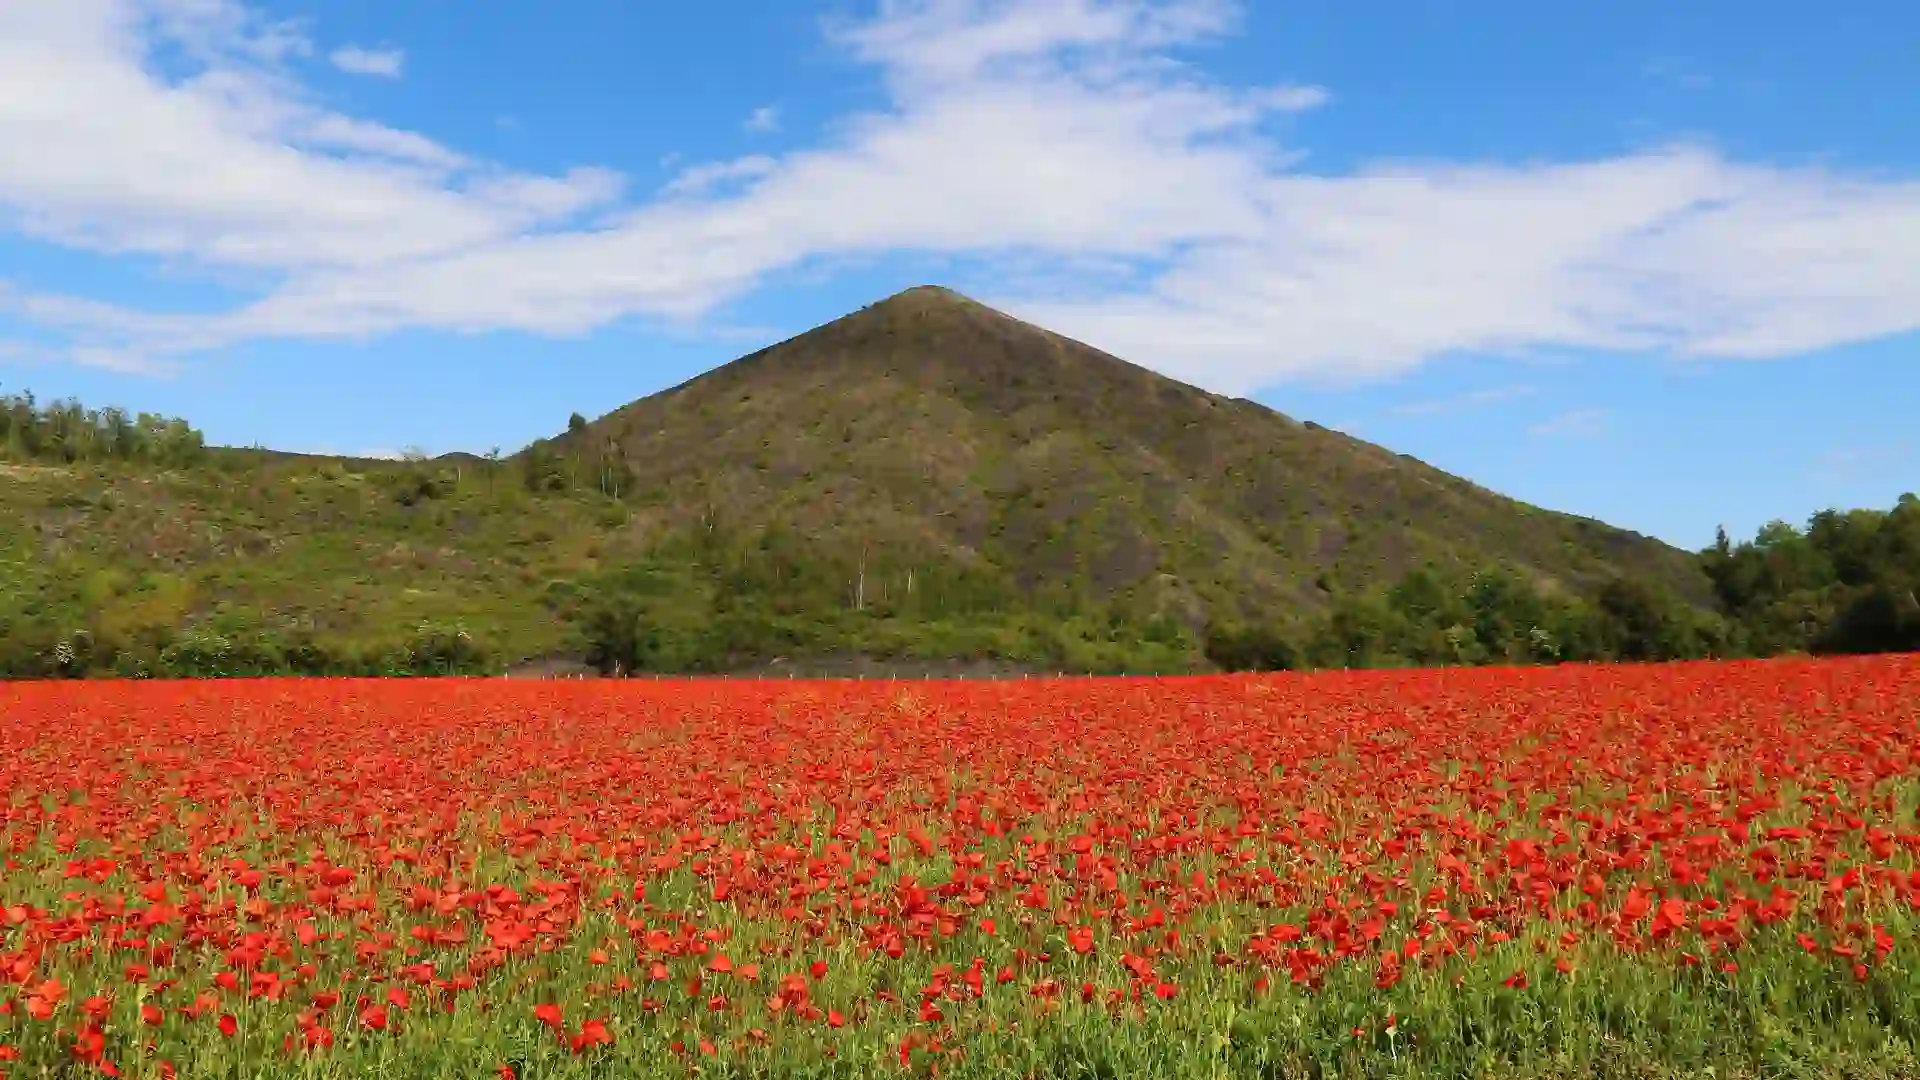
(1242, 647)
(1836, 586)
(66, 431)
(544, 469)
(1885, 619)
(1639, 622)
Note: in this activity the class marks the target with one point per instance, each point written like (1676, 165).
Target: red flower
(592, 1033)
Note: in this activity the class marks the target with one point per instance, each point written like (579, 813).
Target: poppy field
(1555, 872)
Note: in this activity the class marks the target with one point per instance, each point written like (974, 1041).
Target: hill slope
(929, 426)
(925, 479)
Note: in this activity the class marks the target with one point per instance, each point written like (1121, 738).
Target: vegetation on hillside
(1487, 616)
(941, 431)
(1845, 584)
(128, 547)
(239, 562)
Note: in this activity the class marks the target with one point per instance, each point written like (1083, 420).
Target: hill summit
(928, 427)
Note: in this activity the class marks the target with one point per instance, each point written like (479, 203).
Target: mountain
(925, 481)
(932, 427)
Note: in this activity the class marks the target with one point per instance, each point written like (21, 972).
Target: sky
(1649, 262)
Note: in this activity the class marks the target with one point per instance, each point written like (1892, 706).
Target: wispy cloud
(25, 352)
(1474, 399)
(1297, 98)
(1045, 133)
(384, 63)
(124, 361)
(700, 179)
(764, 119)
(1576, 424)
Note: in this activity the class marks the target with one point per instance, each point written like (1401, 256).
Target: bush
(434, 649)
(1236, 647)
(1883, 619)
(208, 654)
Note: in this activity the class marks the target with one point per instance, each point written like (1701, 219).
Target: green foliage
(1844, 584)
(63, 431)
(440, 649)
(1885, 618)
(646, 618)
(1498, 616)
(420, 483)
(577, 464)
(543, 470)
(1635, 621)
(128, 548)
(200, 653)
(1250, 647)
(204, 651)
(719, 600)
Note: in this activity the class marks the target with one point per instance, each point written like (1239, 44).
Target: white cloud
(233, 167)
(23, 352)
(530, 200)
(928, 43)
(122, 361)
(1577, 424)
(384, 63)
(1674, 250)
(1148, 209)
(334, 132)
(700, 179)
(764, 119)
(1296, 98)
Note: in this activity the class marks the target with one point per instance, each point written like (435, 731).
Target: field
(1559, 872)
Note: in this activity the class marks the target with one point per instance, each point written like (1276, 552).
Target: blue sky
(1657, 263)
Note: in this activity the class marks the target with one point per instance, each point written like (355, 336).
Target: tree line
(68, 432)
(1846, 583)
(100, 649)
